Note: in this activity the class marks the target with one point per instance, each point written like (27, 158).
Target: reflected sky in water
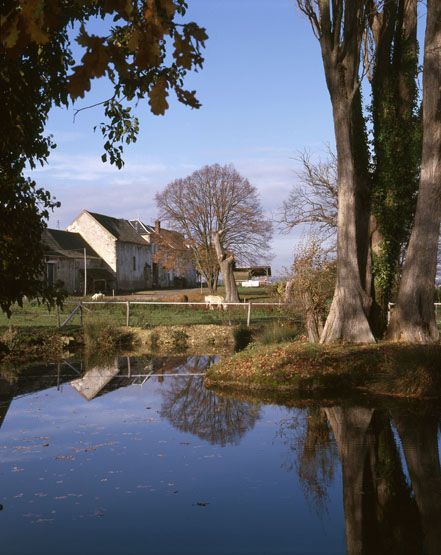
(124, 458)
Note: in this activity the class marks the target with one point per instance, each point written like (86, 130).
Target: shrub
(311, 287)
(180, 338)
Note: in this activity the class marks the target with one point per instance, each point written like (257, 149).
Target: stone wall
(102, 242)
(130, 275)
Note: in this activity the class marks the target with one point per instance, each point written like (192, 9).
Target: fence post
(81, 314)
(128, 314)
(249, 315)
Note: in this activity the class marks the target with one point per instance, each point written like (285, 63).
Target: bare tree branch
(313, 200)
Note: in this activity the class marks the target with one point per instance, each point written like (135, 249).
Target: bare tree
(339, 26)
(313, 200)
(217, 201)
(413, 319)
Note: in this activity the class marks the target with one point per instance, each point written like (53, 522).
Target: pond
(135, 456)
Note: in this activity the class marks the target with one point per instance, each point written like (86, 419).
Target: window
(134, 263)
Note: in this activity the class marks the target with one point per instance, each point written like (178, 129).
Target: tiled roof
(173, 239)
(66, 243)
(119, 228)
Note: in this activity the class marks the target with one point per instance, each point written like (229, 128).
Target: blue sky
(263, 98)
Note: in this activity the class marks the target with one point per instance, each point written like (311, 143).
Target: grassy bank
(306, 369)
(29, 343)
(149, 315)
(103, 339)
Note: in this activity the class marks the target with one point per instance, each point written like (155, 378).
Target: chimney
(157, 226)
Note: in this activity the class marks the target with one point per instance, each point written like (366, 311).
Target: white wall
(102, 242)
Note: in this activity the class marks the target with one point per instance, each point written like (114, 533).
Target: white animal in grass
(215, 300)
(98, 297)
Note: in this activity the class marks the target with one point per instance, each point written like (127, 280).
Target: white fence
(80, 306)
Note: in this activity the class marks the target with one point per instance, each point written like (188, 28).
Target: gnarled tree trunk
(226, 263)
(347, 319)
(339, 26)
(413, 318)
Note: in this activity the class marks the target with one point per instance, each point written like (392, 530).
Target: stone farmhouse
(125, 252)
(65, 253)
(172, 264)
(121, 255)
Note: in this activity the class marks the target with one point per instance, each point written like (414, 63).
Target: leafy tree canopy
(145, 50)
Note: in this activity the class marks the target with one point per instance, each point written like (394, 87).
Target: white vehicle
(251, 283)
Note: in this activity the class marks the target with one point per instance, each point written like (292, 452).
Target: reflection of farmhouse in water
(186, 404)
(126, 371)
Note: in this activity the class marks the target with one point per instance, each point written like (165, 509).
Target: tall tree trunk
(226, 263)
(347, 319)
(340, 27)
(413, 318)
(397, 144)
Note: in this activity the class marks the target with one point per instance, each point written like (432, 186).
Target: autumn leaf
(79, 83)
(158, 97)
(169, 7)
(182, 52)
(148, 54)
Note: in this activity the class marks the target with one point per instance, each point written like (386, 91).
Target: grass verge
(306, 369)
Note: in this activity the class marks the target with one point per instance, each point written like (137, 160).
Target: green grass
(33, 315)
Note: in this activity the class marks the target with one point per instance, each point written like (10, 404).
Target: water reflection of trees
(190, 407)
(308, 434)
(384, 512)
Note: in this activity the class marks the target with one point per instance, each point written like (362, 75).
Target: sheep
(215, 300)
(98, 297)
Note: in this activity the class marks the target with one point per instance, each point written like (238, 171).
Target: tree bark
(397, 152)
(347, 319)
(226, 263)
(340, 31)
(413, 318)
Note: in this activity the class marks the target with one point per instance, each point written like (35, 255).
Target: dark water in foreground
(107, 460)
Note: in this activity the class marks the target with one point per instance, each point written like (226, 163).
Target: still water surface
(128, 458)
